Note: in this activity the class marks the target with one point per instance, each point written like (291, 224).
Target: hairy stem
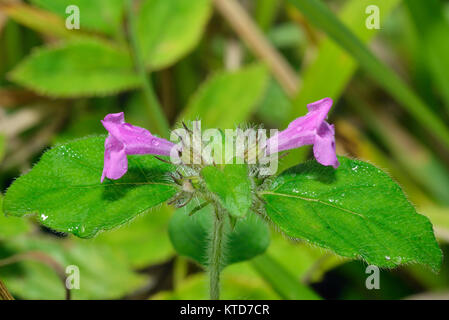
(216, 255)
(4, 293)
(160, 122)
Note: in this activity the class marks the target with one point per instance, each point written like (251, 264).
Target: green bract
(232, 186)
(356, 211)
(64, 189)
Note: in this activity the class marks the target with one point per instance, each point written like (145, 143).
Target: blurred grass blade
(104, 16)
(228, 98)
(433, 30)
(333, 65)
(323, 18)
(39, 20)
(285, 284)
(160, 123)
(238, 18)
(265, 12)
(4, 293)
(424, 166)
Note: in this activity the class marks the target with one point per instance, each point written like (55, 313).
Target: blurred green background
(225, 62)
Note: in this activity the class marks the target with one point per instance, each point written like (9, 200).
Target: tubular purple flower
(125, 139)
(311, 129)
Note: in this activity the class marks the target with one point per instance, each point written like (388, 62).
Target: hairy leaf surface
(65, 191)
(356, 211)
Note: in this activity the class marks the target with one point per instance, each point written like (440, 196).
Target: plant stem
(216, 255)
(4, 293)
(158, 118)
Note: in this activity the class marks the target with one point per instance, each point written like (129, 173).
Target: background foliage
(225, 62)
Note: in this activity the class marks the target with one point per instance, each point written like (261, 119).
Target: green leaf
(323, 18)
(104, 274)
(65, 191)
(356, 211)
(232, 186)
(282, 281)
(233, 95)
(84, 67)
(168, 30)
(190, 235)
(11, 226)
(144, 241)
(100, 15)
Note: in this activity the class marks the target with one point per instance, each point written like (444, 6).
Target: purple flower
(125, 139)
(309, 129)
